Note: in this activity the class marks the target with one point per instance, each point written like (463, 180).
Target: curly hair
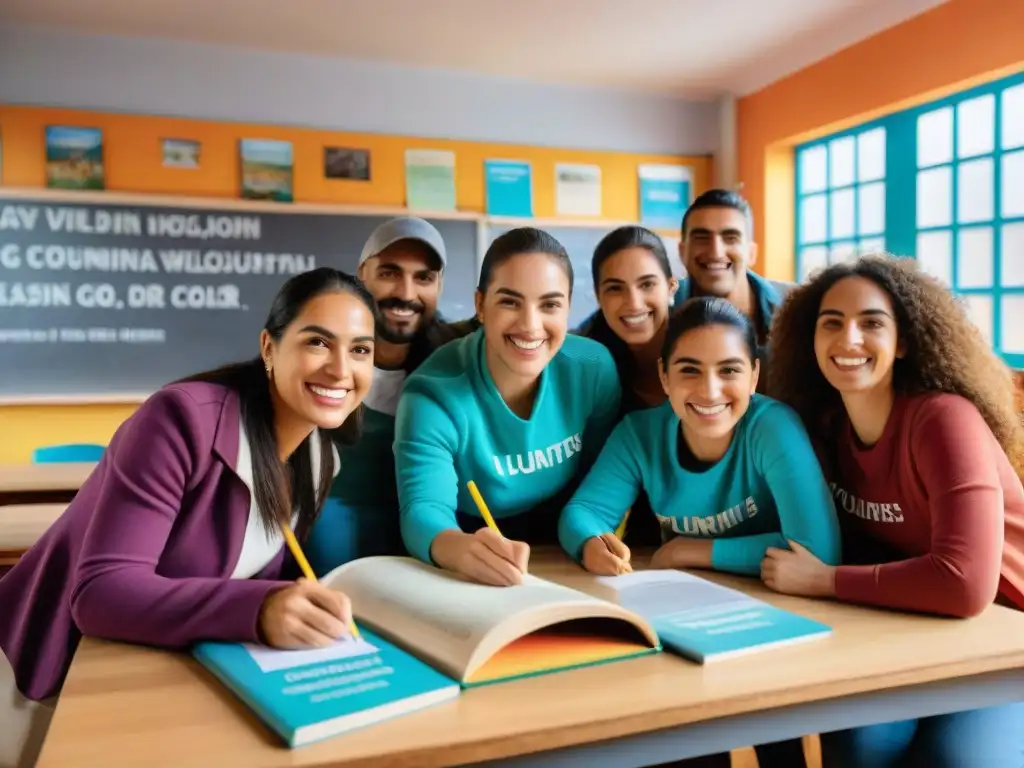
(944, 351)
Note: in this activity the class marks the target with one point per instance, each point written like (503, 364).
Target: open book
(702, 620)
(426, 634)
(479, 634)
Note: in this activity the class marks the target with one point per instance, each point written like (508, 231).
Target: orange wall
(132, 161)
(953, 46)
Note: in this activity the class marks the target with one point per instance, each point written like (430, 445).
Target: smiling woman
(925, 448)
(177, 536)
(518, 407)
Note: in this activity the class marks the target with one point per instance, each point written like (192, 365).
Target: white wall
(45, 67)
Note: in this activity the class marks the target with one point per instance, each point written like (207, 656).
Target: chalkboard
(120, 298)
(580, 242)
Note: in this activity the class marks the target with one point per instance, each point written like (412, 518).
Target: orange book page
(548, 651)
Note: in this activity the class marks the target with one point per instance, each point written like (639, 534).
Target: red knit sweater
(937, 503)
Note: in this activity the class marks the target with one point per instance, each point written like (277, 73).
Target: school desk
(131, 706)
(21, 526)
(42, 483)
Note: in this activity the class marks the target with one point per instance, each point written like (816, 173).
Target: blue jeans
(979, 738)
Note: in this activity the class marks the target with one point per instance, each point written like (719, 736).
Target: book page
(436, 612)
(273, 659)
(661, 594)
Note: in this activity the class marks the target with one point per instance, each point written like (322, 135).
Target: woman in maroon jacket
(177, 536)
(915, 420)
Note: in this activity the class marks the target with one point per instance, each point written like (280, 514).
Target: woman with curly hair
(915, 422)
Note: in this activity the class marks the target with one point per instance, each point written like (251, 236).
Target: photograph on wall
(267, 170)
(664, 194)
(180, 153)
(74, 157)
(430, 179)
(577, 189)
(346, 163)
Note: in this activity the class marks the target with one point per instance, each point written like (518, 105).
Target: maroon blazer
(145, 552)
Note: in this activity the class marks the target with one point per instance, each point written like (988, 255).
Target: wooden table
(22, 525)
(130, 706)
(42, 483)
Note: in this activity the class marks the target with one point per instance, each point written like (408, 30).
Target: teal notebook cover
(307, 696)
(704, 621)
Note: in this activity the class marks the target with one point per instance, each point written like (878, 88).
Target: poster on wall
(577, 189)
(74, 157)
(180, 153)
(509, 188)
(346, 163)
(266, 170)
(664, 195)
(430, 180)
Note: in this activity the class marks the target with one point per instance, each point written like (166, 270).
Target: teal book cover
(722, 631)
(705, 621)
(311, 695)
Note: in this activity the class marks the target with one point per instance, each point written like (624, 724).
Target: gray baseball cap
(404, 228)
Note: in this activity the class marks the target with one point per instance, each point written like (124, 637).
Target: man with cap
(402, 265)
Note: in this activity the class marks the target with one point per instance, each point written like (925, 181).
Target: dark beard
(392, 335)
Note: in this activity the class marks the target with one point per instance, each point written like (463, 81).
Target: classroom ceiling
(690, 48)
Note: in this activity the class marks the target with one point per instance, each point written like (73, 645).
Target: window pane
(1013, 185)
(934, 197)
(980, 309)
(975, 190)
(812, 259)
(872, 245)
(841, 221)
(1011, 254)
(846, 251)
(935, 137)
(976, 126)
(871, 155)
(974, 263)
(1013, 117)
(871, 209)
(935, 254)
(1012, 337)
(813, 222)
(813, 169)
(840, 167)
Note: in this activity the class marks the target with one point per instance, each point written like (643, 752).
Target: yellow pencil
(621, 530)
(307, 571)
(485, 513)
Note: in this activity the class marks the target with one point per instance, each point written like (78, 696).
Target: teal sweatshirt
(452, 426)
(768, 488)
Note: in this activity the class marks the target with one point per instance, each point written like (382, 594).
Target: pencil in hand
(481, 505)
(307, 570)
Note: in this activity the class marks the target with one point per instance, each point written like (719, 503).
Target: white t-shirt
(259, 546)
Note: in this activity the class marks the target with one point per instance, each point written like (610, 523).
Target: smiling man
(717, 249)
(402, 265)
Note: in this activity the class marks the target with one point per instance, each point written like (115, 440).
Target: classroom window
(840, 198)
(955, 171)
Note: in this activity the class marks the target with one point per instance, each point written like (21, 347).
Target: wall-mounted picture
(180, 153)
(345, 163)
(74, 157)
(267, 170)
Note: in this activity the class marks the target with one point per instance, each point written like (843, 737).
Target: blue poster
(509, 188)
(664, 195)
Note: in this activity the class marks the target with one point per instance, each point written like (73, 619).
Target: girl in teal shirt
(519, 407)
(729, 473)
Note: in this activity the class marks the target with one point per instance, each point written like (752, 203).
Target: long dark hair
(279, 487)
(597, 328)
(944, 352)
(702, 311)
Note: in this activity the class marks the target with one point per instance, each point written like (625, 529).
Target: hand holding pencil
(305, 614)
(487, 556)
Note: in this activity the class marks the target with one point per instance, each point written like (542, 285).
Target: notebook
(310, 695)
(705, 621)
